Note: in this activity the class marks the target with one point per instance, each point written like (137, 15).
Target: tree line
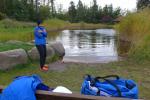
(92, 14)
(31, 10)
(26, 10)
(141, 4)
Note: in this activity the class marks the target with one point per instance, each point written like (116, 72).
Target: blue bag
(111, 85)
(23, 88)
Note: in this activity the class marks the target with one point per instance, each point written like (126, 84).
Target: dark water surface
(88, 46)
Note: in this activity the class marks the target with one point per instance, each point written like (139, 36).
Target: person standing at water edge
(40, 35)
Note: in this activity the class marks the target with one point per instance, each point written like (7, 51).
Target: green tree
(61, 14)
(80, 15)
(110, 10)
(53, 8)
(116, 12)
(44, 12)
(72, 12)
(143, 3)
(95, 13)
(2, 6)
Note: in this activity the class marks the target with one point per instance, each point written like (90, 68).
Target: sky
(123, 4)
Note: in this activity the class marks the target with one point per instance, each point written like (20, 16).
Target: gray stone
(11, 58)
(59, 48)
(34, 55)
(50, 51)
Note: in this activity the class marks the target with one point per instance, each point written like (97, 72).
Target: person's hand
(40, 31)
(44, 30)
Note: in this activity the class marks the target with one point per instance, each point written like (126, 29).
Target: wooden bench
(45, 95)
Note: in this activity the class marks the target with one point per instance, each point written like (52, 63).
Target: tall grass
(135, 27)
(15, 30)
(55, 24)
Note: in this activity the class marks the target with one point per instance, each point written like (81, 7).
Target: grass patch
(11, 46)
(72, 77)
(15, 30)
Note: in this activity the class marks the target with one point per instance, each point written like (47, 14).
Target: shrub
(2, 16)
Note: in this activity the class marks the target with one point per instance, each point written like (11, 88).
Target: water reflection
(88, 45)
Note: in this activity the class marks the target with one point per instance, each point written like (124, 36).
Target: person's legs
(45, 54)
(42, 55)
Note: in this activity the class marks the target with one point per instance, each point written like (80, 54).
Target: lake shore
(71, 75)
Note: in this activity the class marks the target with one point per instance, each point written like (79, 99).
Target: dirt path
(58, 66)
(62, 66)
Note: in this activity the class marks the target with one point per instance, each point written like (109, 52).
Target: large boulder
(59, 48)
(34, 55)
(11, 58)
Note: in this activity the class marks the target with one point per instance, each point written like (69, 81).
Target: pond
(88, 46)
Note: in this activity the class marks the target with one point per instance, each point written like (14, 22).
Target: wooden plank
(46, 95)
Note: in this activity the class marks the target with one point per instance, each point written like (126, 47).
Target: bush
(135, 27)
(2, 16)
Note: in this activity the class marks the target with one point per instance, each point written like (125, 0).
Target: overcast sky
(124, 4)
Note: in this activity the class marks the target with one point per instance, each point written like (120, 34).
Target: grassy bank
(55, 24)
(135, 28)
(72, 77)
(23, 31)
(4, 46)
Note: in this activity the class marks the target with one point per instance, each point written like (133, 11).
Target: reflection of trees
(82, 39)
(106, 39)
(93, 39)
(72, 37)
(99, 38)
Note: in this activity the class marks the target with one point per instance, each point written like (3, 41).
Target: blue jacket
(40, 37)
(22, 88)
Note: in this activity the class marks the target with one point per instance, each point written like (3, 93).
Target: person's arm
(38, 33)
(44, 33)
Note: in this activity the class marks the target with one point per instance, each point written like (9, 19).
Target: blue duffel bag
(112, 86)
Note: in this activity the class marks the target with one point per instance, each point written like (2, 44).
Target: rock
(14, 42)
(59, 48)
(11, 58)
(34, 55)
(50, 51)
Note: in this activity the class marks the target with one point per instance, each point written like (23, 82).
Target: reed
(135, 27)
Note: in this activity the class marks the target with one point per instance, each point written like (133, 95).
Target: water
(88, 46)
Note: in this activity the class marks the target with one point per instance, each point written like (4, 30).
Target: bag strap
(108, 76)
(110, 82)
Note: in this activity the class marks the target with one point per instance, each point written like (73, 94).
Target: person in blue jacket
(40, 35)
